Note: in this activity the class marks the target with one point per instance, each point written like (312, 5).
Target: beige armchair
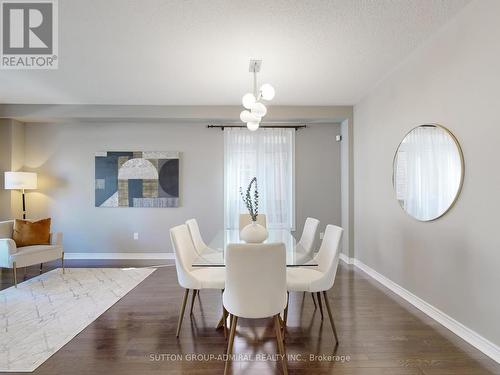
(15, 257)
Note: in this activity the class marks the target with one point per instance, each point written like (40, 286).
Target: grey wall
(452, 263)
(17, 134)
(183, 113)
(63, 154)
(347, 186)
(317, 176)
(4, 166)
(11, 159)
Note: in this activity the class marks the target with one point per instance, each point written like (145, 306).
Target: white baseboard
(479, 342)
(140, 256)
(346, 259)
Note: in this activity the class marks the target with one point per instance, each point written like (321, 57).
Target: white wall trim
(479, 342)
(346, 259)
(119, 256)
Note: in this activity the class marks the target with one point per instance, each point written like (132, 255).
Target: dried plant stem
(252, 205)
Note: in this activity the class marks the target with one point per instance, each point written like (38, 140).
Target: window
(267, 154)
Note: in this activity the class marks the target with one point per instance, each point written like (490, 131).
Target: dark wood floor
(379, 333)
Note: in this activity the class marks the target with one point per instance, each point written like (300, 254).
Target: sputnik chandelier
(255, 110)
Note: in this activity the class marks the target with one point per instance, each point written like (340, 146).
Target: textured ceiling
(188, 52)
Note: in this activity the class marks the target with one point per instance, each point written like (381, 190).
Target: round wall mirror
(428, 172)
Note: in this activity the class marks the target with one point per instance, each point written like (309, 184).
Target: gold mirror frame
(462, 166)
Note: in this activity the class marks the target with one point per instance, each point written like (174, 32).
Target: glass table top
(213, 256)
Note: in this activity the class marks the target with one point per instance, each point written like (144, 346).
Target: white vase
(254, 233)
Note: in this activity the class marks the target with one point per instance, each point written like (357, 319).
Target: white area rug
(45, 312)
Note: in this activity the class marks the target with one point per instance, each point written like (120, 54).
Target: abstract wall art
(137, 179)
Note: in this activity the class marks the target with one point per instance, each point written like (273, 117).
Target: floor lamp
(21, 181)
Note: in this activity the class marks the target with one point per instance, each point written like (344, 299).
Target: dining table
(214, 254)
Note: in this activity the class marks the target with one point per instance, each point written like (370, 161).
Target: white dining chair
(189, 277)
(199, 245)
(305, 246)
(319, 279)
(255, 287)
(308, 236)
(246, 219)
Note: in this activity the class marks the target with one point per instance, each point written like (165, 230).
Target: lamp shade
(248, 100)
(258, 109)
(267, 91)
(20, 180)
(246, 116)
(252, 126)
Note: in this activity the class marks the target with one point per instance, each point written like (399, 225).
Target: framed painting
(137, 179)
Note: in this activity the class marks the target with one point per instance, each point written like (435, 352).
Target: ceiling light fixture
(255, 110)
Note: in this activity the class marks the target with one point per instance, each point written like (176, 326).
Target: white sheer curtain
(428, 172)
(267, 154)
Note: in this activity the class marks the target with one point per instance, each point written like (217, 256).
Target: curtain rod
(296, 127)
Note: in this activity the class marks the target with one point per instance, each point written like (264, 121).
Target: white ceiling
(188, 52)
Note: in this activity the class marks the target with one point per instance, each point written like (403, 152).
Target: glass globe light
(258, 109)
(252, 125)
(267, 91)
(248, 100)
(246, 116)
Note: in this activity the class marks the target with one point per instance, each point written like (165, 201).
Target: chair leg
(314, 300)
(192, 301)
(331, 317)
(318, 295)
(224, 316)
(234, 321)
(220, 323)
(15, 273)
(285, 314)
(281, 345)
(181, 313)
(224, 313)
(62, 263)
(41, 268)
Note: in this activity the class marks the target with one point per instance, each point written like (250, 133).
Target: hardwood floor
(380, 334)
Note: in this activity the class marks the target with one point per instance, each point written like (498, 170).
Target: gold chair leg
(220, 323)
(181, 313)
(281, 345)
(223, 320)
(15, 273)
(224, 315)
(234, 321)
(318, 295)
(285, 314)
(314, 300)
(62, 263)
(192, 301)
(331, 317)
